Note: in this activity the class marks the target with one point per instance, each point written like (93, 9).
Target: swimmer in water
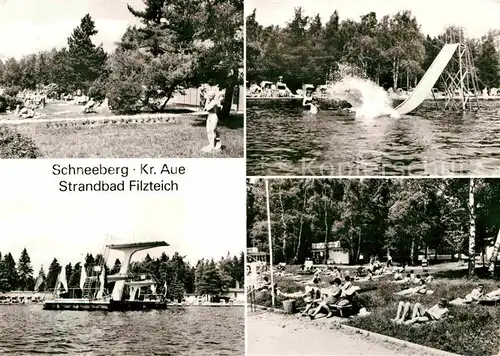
(314, 106)
(308, 98)
(213, 102)
(309, 102)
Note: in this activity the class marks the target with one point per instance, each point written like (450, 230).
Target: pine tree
(89, 262)
(2, 71)
(74, 280)
(86, 60)
(52, 274)
(488, 63)
(25, 271)
(116, 267)
(69, 272)
(9, 279)
(182, 44)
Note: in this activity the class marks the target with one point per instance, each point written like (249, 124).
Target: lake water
(28, 330)
(283, 139)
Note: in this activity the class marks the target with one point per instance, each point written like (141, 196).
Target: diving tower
(129, 250)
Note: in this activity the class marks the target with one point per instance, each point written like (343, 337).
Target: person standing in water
(213, 102)
(307, 102)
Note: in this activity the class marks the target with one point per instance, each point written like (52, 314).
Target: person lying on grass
(474, 296)
(420, 314)
(405, 280)
(428, 278)
(398, 275)
(420, 289)
(330, 296)
(494, 293)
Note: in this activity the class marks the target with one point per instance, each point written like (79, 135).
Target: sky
(28, 26)
(205, 219)
(477, 17)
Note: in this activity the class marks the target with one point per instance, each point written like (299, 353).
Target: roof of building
(236, 290)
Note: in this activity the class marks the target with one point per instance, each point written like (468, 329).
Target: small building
(254, 255)
(335, 253)
(236, 295)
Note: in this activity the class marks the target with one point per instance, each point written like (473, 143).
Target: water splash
(367, 99)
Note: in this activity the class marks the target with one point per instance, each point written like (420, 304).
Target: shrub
(12, 90)
(15, 145)
(98, 89)
(8, 103)
(124, 96)
(52, 90)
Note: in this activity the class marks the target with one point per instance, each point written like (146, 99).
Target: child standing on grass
(213, 102)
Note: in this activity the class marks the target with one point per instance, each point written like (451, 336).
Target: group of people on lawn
(339, 294)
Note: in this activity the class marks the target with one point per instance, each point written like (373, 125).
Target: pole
(270, 241)
(460, 64)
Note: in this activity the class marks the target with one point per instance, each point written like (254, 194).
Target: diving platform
(103, 305)
(115, 301)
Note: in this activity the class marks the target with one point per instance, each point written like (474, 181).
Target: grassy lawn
(473, 330)
(182, 137)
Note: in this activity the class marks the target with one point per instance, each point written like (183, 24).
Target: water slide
(430, 78)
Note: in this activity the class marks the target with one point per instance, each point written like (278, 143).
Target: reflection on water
(282, 139)
(28, 329)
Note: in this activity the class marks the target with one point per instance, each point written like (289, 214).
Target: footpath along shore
(271, 333)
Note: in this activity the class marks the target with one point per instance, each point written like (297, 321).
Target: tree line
(391, 51)
(206, 277)
(371, 216)
(180, 44)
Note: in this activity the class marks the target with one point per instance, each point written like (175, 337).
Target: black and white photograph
(123, 275)
(121, 79)
(372, 88)
(382, 266)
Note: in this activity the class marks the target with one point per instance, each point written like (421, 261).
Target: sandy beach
(277, 334)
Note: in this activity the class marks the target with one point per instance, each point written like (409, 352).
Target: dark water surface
(283, 139)
(29, 330)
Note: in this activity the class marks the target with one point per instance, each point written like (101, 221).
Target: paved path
(277, 334)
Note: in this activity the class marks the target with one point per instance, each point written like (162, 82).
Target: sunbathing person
(312, 296)
(330, 296)
(336, 273)
(420, 289)
(418, 280)
(265, 285)
(474, 296)
(428, 278)
(405, 280)
(420, 314)
(398, 275)
(495, 293)
(347, 283)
